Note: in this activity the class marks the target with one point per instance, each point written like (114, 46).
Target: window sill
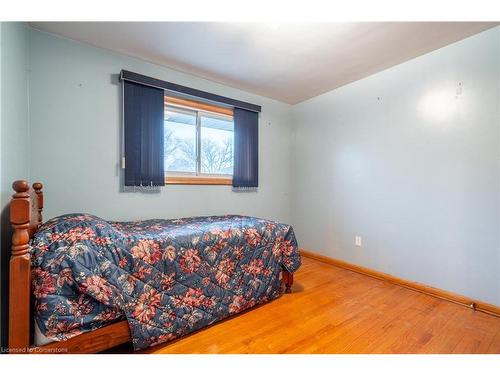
(177, 180)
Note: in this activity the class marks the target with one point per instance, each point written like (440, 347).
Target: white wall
(14, 136)
(401, 160)
(75, 125)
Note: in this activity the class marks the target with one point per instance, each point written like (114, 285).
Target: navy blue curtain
(246, 149)
(143, 123)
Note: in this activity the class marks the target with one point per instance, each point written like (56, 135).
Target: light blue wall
(75, 125)
(402, 160)
(15, 106)
(14, 134)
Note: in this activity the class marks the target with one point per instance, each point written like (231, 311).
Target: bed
(82, 284)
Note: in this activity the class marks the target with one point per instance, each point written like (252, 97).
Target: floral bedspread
(166, 277)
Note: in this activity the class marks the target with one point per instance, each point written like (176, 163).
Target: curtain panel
(246, 149)
(143, 132)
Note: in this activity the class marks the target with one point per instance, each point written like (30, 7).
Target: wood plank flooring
(332, 310)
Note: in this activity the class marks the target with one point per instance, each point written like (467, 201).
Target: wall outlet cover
(358, 241)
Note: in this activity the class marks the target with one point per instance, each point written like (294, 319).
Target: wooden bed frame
(26, 208)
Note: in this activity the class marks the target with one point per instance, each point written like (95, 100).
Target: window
(198, 143)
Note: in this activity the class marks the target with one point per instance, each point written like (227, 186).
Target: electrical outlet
(358, 241)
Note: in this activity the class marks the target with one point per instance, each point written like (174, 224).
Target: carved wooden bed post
(25, 217)
(37, 186)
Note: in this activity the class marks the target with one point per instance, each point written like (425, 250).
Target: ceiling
(290, 62)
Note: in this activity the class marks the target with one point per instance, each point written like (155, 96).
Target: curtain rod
(126, 75)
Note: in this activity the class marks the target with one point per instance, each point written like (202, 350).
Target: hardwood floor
(333, 310)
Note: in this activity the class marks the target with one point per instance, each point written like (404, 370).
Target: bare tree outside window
(216, 157)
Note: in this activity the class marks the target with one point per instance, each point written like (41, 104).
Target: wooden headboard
(26, 208)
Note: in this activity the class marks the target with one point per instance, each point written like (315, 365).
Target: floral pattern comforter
(166, 277)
